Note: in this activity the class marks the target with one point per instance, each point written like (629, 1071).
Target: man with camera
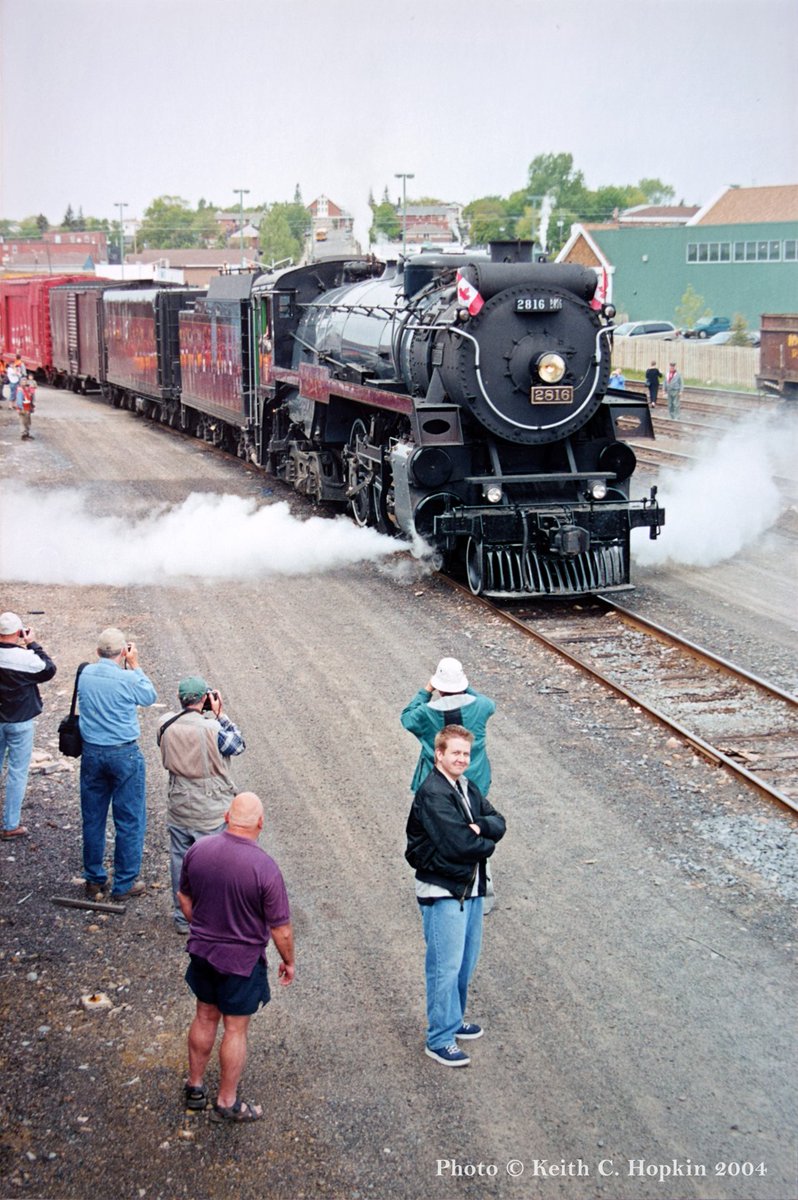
(196, 744)
(23, 665)
(112, 771)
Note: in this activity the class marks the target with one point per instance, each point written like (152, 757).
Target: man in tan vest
(196, 744)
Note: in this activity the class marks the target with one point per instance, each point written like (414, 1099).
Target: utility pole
(404, 176)
(121, 208)
(241, 192)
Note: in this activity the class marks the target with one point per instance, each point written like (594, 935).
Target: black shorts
(233, 995)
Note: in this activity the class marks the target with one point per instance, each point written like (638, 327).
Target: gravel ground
(637, 974)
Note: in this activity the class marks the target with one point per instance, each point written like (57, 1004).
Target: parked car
(723, 339)
(664, 330)
(707, 327)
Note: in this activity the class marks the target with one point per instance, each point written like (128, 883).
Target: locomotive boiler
(463, 401)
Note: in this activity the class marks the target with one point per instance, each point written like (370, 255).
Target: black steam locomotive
(460, 401)
(464, 401)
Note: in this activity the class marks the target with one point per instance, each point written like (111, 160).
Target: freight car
(778, 354)
(25, 320)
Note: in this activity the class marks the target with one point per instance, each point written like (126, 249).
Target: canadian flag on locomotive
(468, 295)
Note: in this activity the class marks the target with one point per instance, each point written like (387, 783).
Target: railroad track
(738, 722)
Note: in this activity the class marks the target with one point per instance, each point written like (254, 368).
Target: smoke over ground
(728, 499)
(51, 537)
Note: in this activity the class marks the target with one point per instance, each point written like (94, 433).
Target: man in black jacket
(23, 665)
(451, 832)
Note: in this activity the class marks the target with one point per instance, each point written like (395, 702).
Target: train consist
(462, 400)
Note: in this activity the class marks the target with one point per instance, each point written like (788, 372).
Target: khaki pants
(24, 419)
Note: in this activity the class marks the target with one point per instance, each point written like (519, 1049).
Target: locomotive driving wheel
(359, 478)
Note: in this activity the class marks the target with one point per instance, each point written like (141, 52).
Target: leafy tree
(69, 221)
(384, 219)
(7, 227)
(691, 308)
(739, 331)
(205, 227)
(42, 224)
(277, 240)
(656, 192)
(169, 224)
(488, 220)
(29, 227)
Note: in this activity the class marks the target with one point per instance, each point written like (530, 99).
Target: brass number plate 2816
(551, 395)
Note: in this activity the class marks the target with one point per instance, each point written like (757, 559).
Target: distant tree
(656, 192)
(276, 238)
(384, 220)
(69, 218)
(487, 220)
(691, 307)
(169, 224)
(29, 227)
(7, 227)
(298, 196)
(42, 224)
(739, 331)
(204, 224)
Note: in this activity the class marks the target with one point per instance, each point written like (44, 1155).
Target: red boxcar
(76, 326)
(25, 319)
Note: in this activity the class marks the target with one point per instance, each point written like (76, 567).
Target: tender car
(707, 327)
(664, 330)
(723, 339)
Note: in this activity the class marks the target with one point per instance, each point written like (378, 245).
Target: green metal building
(742, 266)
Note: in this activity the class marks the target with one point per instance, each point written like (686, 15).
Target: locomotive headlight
(462, 315)
(597, 489)
(550, 368)
(493, 493)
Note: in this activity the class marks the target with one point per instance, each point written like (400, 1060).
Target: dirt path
(637, 1013)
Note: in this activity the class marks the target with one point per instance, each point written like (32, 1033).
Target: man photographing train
(196, 745)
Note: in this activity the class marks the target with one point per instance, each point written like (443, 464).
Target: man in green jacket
(456, 704)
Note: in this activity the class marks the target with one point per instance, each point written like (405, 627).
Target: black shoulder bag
(70, 741)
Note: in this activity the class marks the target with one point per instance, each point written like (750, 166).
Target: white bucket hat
(449, 676)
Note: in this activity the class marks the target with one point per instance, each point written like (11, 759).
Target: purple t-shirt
(237, 893)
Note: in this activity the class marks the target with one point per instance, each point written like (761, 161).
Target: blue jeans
(454, 938)
(16, 738)
(181, 840)
(113, 776)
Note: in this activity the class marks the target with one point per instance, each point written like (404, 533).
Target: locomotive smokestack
(512, 251)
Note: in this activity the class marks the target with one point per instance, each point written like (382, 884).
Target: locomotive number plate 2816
(533, 304)
(551, 395)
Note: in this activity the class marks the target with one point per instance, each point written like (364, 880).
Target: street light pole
(404, 176)
(121, 206)
(241, 192)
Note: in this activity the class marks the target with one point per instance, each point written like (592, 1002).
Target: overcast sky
(124, 100)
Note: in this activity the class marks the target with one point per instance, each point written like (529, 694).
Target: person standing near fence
(673, 390)
(653, 380)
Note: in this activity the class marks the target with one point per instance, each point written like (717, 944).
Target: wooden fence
(713, 366)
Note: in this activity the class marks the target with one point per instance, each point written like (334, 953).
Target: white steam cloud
(728, 499)
(51, 537)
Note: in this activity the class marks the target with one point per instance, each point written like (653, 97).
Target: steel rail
(712, 753)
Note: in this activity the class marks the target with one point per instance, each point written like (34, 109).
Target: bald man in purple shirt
(233, 896)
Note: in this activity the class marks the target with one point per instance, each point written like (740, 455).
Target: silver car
(663, 330)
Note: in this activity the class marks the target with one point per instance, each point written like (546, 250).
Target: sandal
(195, 1098)
(241, 1111)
